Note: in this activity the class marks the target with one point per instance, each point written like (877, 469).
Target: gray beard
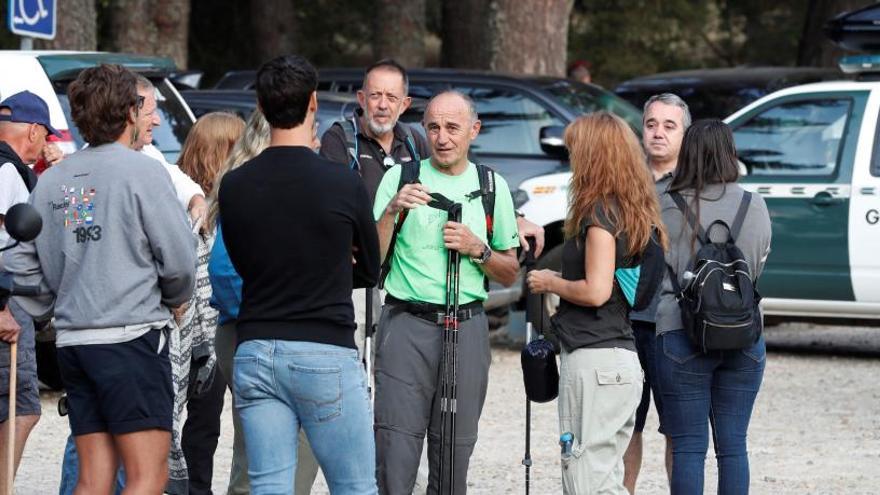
(380, 129)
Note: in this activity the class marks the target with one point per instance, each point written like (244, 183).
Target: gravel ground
(815, 429)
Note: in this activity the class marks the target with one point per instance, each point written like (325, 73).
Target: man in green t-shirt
(409, 342)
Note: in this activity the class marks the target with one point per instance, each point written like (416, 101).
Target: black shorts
(118, 388)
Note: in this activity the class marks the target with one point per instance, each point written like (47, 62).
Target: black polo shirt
(371, 155)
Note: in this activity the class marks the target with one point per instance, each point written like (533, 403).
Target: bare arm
(593, 290)
(502, 266)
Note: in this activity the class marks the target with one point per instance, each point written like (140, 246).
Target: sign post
(32, 19)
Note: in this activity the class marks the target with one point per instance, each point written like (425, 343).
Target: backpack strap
(349, 127)
(411, 143)
(409, 174)
(740, 215)
(486, 193)
(692, 220)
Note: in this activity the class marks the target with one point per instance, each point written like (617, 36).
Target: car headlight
(520, 198)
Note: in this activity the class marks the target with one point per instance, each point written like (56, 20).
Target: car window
(511, 121)
(802, 137)
(588, 99)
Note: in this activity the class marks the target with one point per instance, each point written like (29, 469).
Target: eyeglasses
(140, 101)
(374, 97)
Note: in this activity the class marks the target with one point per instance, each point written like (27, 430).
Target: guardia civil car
(813, 153)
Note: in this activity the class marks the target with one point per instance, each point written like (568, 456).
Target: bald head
(451, 124)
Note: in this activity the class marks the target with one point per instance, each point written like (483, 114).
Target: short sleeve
(387, 190)
(505, 235)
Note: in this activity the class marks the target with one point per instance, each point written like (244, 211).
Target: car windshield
(168, 137)
(588, 98)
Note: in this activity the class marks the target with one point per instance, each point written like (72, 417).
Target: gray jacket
(115, 249)
(718, 202)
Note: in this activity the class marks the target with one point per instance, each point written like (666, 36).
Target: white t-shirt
(12, 191)
(185, 187)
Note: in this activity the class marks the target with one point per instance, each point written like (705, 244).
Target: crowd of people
(251, 267)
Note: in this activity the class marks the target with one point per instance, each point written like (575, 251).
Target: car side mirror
(552, 142)
(23, 222)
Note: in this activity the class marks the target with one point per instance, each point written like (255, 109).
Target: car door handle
(824, 198)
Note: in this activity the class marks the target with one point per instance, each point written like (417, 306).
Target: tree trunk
(274, 23)
(517, 36)
(399, 31)
(76, 27)
(530, 36)
(815, 48)
(156, 27)
(465, 34)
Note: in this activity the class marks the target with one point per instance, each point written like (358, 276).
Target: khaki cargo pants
(599, 391)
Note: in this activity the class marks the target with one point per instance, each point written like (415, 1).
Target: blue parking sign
(32, 18)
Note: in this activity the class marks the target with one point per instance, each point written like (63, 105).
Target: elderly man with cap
(24, 126)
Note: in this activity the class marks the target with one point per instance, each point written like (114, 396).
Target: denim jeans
(70, 471)
(717, 388)
(282, 386)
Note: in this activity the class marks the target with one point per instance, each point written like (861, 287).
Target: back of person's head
(388, 64)
(284, 87)
(252, 142)
(208, 145)
(103, 101)
(708, 156)
(608, 169)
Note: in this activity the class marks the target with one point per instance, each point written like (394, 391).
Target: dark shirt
(604, 326)
(649, 314)
(371, 155)
(290, 222)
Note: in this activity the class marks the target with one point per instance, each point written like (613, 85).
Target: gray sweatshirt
(116, 249)
(718, 202)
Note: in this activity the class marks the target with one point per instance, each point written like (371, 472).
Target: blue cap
(28, 108)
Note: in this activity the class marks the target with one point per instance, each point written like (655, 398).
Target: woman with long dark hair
(714, 387)
(612, 212)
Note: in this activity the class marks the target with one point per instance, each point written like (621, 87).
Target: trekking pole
(527, 458)
(368, 341)
(10, 423)
(449, 357)
(455, 216)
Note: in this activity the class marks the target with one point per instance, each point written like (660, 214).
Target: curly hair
(101, 102)
(608, 169)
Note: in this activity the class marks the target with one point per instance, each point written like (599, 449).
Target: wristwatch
(484, 257)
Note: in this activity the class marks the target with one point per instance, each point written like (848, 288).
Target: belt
(435, 313)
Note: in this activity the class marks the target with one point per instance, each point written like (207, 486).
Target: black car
(717, 93)
(523, 116)
(331, 106)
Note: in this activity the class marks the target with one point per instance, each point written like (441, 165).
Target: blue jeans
(280, 386)
(70, 471)
(718, 387)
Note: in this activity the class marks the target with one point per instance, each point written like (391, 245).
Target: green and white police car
(813, 153)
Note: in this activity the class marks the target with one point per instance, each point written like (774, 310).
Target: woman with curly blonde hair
(613, 211)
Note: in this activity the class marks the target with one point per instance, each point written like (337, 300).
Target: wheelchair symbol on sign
(41, 13)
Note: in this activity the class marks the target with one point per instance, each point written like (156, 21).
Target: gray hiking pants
(408, 373)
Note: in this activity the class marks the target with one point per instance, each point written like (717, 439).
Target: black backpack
(719, 302)
(349, 128)
(640, 283)
(409, 174)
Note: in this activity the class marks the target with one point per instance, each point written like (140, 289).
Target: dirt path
(815, 430)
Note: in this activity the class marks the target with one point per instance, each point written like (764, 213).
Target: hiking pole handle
(10, 423)
(529, 261)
